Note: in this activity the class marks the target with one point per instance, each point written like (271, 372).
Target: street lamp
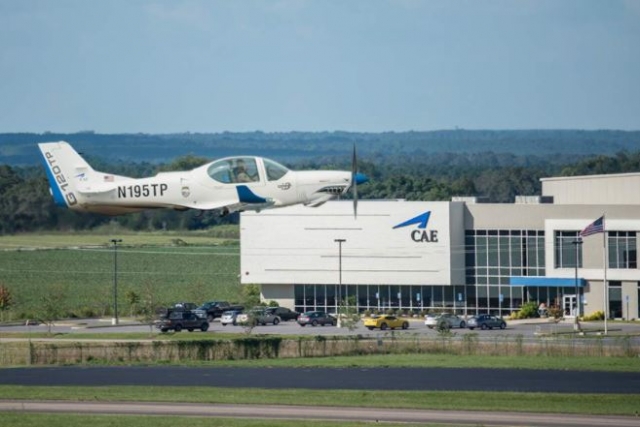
(339, 242)
(115, 242)
(576, 325)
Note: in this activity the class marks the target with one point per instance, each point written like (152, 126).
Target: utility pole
(339, 293)
(115, 242)
(576, 323)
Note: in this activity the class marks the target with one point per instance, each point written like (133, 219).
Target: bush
(598, 315)
(85, 312)
(528, 310)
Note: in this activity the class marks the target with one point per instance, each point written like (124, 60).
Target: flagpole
(604, 281)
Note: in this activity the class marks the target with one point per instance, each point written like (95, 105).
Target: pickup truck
(213, 309)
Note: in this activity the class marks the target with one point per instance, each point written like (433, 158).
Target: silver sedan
(444, 320)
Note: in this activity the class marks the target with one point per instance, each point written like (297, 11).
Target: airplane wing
(247, 200)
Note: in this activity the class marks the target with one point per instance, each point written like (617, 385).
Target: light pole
(115, 242)
(576, 325)
(339, 242)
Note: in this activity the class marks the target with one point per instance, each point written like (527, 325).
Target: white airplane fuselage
(213, 186)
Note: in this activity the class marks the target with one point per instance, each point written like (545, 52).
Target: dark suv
(179, 320)
(315, 318)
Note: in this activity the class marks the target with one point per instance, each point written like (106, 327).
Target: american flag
(596, 226)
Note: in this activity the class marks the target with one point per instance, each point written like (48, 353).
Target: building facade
(460, 256)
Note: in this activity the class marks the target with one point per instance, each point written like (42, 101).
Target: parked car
(185, 306)
(283, 313)
(257, 317)
(486, 321)
(230, 317)
(315, 318)
(385, 321)
(213, 309)
(444, 320)
(178, 320)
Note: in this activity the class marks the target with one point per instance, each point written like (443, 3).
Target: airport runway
(425, 379)
(331, 414)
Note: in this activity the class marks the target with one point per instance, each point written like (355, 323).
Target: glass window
(234, 170)
(406, 296)
(298, 292)
(565, 249)
(330, 295)
(437, 296)
(394, 297)
(516, 297)
(449, 298)
(221, 171)
(426, 296)
(493, 251)
(373, 295)
(384, 296)
(622, 249)
(275, 171)
(615, 299)
(309, 297)
(363, 302)
(481, 251)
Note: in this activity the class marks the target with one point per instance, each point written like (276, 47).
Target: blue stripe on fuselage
(247, 196)
(55, 190)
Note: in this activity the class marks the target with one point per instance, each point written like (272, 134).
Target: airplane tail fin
(66, 171)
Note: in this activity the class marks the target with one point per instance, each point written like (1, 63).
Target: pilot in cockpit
(240, 172)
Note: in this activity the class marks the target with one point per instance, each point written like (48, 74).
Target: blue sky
(360, 65)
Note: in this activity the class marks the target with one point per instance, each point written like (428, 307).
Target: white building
(459, 255)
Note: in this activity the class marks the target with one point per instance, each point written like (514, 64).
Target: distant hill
(293, 147)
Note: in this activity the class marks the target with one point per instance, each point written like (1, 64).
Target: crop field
(175, 268)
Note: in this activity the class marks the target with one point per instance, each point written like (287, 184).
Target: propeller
(356, 178)
(354, 181)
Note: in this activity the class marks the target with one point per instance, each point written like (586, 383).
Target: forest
(398, 172)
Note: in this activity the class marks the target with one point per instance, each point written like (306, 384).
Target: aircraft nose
(361, 178)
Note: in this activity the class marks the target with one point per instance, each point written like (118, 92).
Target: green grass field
(76, 420)
(185, 267)
(601, 404)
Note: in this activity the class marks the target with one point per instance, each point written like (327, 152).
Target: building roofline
(595, 176)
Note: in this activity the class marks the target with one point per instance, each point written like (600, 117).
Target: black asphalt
(424, 379)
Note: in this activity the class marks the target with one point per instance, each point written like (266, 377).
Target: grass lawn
(86, 239)
(178, 267)
(600, 404)
(75, 420)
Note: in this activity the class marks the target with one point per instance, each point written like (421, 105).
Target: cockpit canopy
(237, 170)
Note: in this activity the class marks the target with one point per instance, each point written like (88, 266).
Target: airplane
(231, 184)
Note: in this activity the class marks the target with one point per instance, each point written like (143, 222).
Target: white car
(257, 317)
(229, 317)
(450, 320)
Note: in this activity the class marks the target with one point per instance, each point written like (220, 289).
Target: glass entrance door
(569, 305)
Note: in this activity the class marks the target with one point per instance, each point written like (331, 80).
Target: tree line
(26, 203)
(21, 149)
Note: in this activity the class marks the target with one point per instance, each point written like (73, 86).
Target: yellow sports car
(385, 321)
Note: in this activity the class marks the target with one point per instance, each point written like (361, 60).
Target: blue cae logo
(421, 219)
(420, 235)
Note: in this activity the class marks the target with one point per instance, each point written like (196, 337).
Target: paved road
(333, 414)
(437, 379)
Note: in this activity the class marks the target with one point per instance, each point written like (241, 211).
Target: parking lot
(527, 328)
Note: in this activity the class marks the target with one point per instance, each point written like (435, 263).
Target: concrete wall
(298, 244)
(615, 189)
